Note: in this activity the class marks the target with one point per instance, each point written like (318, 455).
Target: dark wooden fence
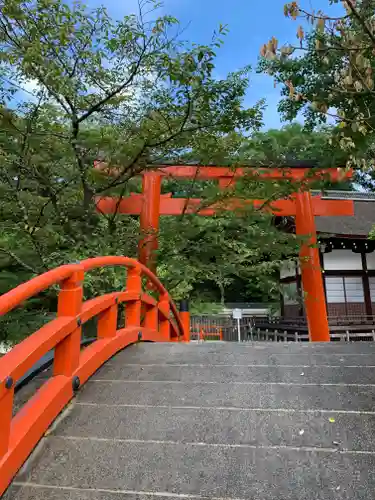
(342, 328)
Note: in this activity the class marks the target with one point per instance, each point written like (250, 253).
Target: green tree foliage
(236, 255)
(126, 92)
(237, 252)
(328, 73)
(293, 144)
(75, 87)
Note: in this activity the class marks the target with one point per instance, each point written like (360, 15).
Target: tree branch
(325, 18)
(116, 181)
(176, 134)
(108, 97)
(362, 21)
(19, 261)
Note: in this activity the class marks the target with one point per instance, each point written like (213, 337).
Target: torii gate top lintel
(210, 172)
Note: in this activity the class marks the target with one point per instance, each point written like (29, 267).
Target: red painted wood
(177, 206)
(202, 172)
(311, 273)
(149, 219)
(20, 434)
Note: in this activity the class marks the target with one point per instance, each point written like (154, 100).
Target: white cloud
(30, 86)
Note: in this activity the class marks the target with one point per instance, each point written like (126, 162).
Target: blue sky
(251, 23)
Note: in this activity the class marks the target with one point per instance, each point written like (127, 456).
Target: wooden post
(133, 308)
(312, 281)
(185, 318)
(164, 307)
(68, 351)
(6, 403)
(149, 219)
(107, 323)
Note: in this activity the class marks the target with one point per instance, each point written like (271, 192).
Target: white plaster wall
(353, 290)
(342, 260)
(335, 289)
(372, 287)
(370, 257)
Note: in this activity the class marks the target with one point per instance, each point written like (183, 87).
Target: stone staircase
(267, 421)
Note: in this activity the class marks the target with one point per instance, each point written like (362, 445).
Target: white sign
(237, 314)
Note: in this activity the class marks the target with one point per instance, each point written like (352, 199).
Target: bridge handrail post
(151, 317)
(164, 307)
(70, 299)
(6, 404)
(185, 318)
(134, 286)
(107, 322)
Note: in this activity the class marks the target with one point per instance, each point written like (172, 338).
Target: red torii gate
(302, 205)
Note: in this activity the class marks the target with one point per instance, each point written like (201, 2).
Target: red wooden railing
(72, 366)
(213, 334)
(208, 333)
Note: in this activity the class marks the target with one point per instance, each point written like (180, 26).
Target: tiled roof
(347, 195)
(362, 221)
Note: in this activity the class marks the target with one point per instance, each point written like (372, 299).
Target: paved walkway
(215, 421)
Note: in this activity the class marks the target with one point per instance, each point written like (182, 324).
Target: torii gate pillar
(311, 273)
(149, 219)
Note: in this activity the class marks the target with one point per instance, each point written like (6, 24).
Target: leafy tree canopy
(129, 92)
(77, 86)
(328, 73)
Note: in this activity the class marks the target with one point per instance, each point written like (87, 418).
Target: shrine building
(347, 257)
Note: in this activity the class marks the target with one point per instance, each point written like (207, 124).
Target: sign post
(237, 314)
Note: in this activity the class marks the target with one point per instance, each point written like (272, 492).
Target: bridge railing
(146, 318)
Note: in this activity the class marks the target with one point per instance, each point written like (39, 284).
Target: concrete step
(204, 471)
(215, 421)
(288, 374)
(236, 395)
(270, 353)
(351, 431)
(52, 493)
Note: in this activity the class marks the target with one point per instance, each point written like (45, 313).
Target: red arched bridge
(171, 419)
